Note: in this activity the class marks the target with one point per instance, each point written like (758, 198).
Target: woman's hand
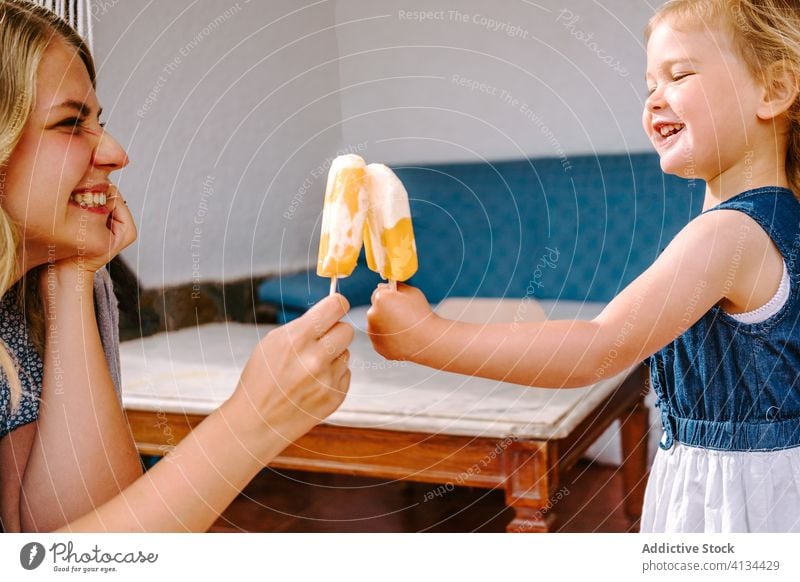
(296, 376)
(121, 224)
(123, 233)
(399, 321)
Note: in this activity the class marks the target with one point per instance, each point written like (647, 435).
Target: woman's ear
(781, 87)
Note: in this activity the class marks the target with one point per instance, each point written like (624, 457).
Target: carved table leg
(635, 428)
(531, 476)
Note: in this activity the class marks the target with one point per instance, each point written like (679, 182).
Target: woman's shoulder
(14, 333)
(13, 330)
(30, 368)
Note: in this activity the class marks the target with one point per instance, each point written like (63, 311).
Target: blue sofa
(548, 228)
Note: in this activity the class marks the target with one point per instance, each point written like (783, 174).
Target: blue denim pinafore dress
(729, 396)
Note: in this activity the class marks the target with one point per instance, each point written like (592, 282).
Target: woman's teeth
(89, 199)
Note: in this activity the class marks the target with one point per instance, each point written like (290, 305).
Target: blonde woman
(67, 459)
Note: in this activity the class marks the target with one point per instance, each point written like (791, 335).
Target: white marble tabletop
(194, 370)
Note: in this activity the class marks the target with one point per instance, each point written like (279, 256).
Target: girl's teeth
(667, 130)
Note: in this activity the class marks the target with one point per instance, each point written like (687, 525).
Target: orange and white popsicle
(342, 218)
(388, 232)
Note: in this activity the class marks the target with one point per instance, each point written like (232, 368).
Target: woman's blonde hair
(26, 30)
(765, 33)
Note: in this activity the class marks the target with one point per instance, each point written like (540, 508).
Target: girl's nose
(655, 100)
(109, 153)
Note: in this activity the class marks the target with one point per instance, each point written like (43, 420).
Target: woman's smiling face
(57, 177)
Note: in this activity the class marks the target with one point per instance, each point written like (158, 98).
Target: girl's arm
(707, 261)
(296, 377)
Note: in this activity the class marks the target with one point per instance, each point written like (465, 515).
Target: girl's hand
(295, 378)
(399, 321)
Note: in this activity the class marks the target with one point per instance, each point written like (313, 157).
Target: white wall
(224, 108)
(228, 109)
(461, 80)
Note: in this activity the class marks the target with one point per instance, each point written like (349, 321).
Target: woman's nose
(109, 153)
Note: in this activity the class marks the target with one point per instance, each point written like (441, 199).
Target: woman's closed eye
(76, 124)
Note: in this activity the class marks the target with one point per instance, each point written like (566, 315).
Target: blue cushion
(580, 228)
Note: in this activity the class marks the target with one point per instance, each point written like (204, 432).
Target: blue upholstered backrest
(578, 229)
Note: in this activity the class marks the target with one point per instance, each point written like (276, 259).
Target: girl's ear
(781, 87)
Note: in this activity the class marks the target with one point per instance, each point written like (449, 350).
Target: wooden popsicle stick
(333, 286)
(393, 284)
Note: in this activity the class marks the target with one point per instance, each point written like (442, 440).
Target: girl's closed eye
(681, 76)
(675, 77)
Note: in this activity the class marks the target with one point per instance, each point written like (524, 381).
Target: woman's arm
(701, 266)
(83, 453)
(296, 377)
(14, 450)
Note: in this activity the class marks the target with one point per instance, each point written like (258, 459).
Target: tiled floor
(305, 502)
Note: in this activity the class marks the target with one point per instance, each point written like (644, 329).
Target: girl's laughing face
(701, 109)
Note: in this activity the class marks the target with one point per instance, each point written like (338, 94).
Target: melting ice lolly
(388, 232)
(342, 218)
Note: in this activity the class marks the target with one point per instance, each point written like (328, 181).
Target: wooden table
(401, 421)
